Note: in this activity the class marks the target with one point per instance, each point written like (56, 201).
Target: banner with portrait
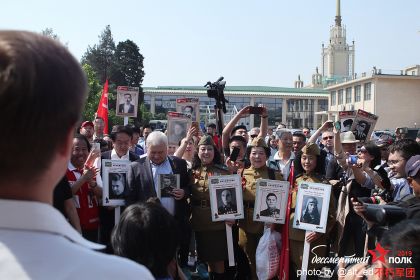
(346, 119)
(312, 204)
(190, 107)
(363, 125)
(166, 184)
(271, 201)
(178, 125)
(114, 177)
(226, 197)
(127, 101)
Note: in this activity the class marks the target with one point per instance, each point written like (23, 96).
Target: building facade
(294, 107)
(394, 98)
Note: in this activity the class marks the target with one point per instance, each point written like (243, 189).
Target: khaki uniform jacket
(201, 219)
(250, 176)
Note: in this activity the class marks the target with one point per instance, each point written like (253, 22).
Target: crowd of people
(371, 170)
(160, 235)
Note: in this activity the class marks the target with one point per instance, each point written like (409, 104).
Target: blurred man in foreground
(42, 90)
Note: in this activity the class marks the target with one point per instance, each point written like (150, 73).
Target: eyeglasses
(253, 136)
(327, 137)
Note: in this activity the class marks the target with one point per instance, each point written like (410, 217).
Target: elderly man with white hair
(143, 180)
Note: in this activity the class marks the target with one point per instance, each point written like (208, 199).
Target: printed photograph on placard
(271, 201)
(166, 184)
(114, 176)
(226, 197)
(346, 119)
(178, 125)
(363, 125)
(127, 100)
(190, 107)
(312, 203)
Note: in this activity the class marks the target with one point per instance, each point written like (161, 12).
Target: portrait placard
(363, 125)
(127, 101)
(271, 201)
(190, 107)
(346, 120)
(166, 184)
(312, 205)
(178, 125)
(226, 197)
(114, 176)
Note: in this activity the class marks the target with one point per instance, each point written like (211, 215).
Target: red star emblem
(379, 253)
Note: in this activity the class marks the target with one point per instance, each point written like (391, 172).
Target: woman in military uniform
(309, 167)
(250, 231)
(210, 236)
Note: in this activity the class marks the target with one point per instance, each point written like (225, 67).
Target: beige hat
(348, 138)
(258, 142)
(311, 149)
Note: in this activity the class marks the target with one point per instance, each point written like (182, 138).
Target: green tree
(94, 93)
(101, 56)
(128, 65)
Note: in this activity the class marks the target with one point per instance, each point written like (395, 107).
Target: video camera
(215, 90)
(384, 214)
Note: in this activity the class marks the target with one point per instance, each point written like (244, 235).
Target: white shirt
(36, 242)
(284, 165)
(163, 168)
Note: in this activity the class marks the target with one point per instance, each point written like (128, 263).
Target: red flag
(103, 107)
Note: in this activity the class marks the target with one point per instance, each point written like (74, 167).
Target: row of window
(337, 97)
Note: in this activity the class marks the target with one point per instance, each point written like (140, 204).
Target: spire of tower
(338, 15)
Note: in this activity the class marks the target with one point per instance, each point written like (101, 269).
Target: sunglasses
(327, 137)
(253, 136)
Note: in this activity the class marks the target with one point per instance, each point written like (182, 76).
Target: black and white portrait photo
(177, 131)
(346, 125)
(167, 183)
(311, 210)
(271, 209)
(188, 111)
(361, 130)
(226, 201)
(270, 201)
(127, 107)
(117, 184)
(127, 99)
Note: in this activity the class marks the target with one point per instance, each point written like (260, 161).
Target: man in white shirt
(43, 88)
(121, 137)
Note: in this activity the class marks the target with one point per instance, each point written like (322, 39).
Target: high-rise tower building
(338, 56)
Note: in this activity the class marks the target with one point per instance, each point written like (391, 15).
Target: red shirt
(86, 203)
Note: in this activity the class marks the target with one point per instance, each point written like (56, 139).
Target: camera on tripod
(215, 90)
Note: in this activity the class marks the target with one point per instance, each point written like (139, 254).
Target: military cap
(206, 140)
(259, 142)
(311, 149)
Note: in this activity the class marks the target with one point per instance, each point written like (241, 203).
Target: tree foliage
(94, 93)
(49, 32)
(122, 65)
(128, 65)
(101, 56)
